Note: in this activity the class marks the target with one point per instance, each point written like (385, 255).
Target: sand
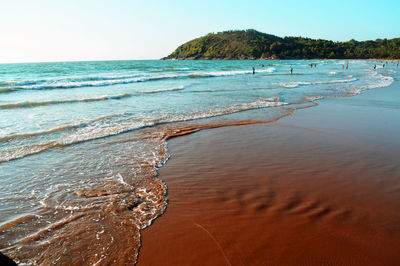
(320, 187)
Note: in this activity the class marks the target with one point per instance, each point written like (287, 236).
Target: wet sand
(320, 187)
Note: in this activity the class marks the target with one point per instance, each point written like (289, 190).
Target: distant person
(342, 67)
(291, 70)
(347, 66)
(374, 67)
(254, 70)
(383, 65)
(397, 63)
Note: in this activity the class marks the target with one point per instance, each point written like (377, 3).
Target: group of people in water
(384, 64)
(343, 66)
(291, 68)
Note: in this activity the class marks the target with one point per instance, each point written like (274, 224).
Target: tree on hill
(252, 44)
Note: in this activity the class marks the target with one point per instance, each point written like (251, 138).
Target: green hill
(251, 44)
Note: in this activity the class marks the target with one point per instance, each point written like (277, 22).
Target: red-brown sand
(321, 187)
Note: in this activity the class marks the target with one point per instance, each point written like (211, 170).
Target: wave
(172, 69)
(71, 79)
(383, 81)
(66, 84)
(97, 81)
(178, 88)
(260, 103)
(97, 129)
(74, 138)
(295, 84)
(55, 129)
(235, 72)
(28, 104)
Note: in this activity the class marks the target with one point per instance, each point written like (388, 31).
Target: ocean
(81, 142)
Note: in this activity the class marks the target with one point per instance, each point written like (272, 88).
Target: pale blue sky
(52, 30)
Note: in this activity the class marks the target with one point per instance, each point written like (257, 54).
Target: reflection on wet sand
(287, 193)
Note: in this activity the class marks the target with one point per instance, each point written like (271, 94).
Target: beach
(211, 163)
(156, 133)
(319, 187)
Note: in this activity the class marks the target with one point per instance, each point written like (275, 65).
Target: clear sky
(68, 30)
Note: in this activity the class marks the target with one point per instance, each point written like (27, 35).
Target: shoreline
(115, 174)
(174, 232)
(284, 59)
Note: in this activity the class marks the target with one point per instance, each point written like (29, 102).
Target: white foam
(162, 90)
(97, 81)
(295, 84)
(260, 103)
(27, 104)
(101, 127)
(313, 98)
(237, 72)
(382, 81)
(121, 180)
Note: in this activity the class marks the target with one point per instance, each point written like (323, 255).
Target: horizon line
(78, 60)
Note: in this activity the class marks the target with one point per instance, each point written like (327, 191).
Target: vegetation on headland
(251, 44)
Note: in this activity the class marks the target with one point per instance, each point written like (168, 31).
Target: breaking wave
(178, 88)
(105, 127)
(296, 84)
(28, 104)
(97, 81)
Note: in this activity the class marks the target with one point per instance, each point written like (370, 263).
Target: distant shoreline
(269, 59)
(252, 44)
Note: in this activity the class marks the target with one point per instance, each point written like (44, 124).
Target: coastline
(282, 59)
(315, 187)
(112, 175)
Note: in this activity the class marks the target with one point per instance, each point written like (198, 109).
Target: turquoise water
(81, 141)
(74, 102)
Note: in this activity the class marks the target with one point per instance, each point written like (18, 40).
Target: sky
(78, 30)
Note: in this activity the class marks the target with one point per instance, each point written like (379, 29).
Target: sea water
(81, 142)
